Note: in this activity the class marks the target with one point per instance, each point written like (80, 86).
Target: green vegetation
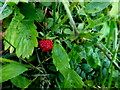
(85, 36)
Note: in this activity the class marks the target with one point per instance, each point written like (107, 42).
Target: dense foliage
(80, 41)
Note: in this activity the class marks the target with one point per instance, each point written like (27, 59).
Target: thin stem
(8, 42)
(40, 63)
(30, 64)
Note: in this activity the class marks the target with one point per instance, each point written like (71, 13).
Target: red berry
(46, 45)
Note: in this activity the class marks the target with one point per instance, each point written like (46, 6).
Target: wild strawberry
(46, 45)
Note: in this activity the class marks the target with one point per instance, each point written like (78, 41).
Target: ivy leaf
(9, 71)
(22, 35)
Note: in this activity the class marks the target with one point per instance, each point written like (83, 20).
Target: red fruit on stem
(46, 45)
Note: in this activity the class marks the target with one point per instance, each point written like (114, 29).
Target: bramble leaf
(22, 35)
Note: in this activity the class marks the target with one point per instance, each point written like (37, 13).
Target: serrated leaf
(60, 57)
(9, 71)
(6, 12)
(94, 7)
(20, 81)
(22, 35)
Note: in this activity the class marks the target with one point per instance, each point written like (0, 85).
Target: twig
(40, 62)
(30, 64)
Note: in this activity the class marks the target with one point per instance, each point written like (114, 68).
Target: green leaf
(28, 10)
(50, 22)
(60, 57)
(24, 1)
(105, 30)
(68, 31)
(4, 60)
(40, 15)
(7, 11)
(10, 2)
(9, 71)
(91, 57)
(22, 35)
(86, 67)
(72, 79)
(61, 61)
(101, 20)
(94, 7)
(80, 11)
(20, 81)
(79, 53)
(89, 35)
(97, 22)
(46, 3)
(115, 9)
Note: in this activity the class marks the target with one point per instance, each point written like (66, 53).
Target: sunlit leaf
(22, 35)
